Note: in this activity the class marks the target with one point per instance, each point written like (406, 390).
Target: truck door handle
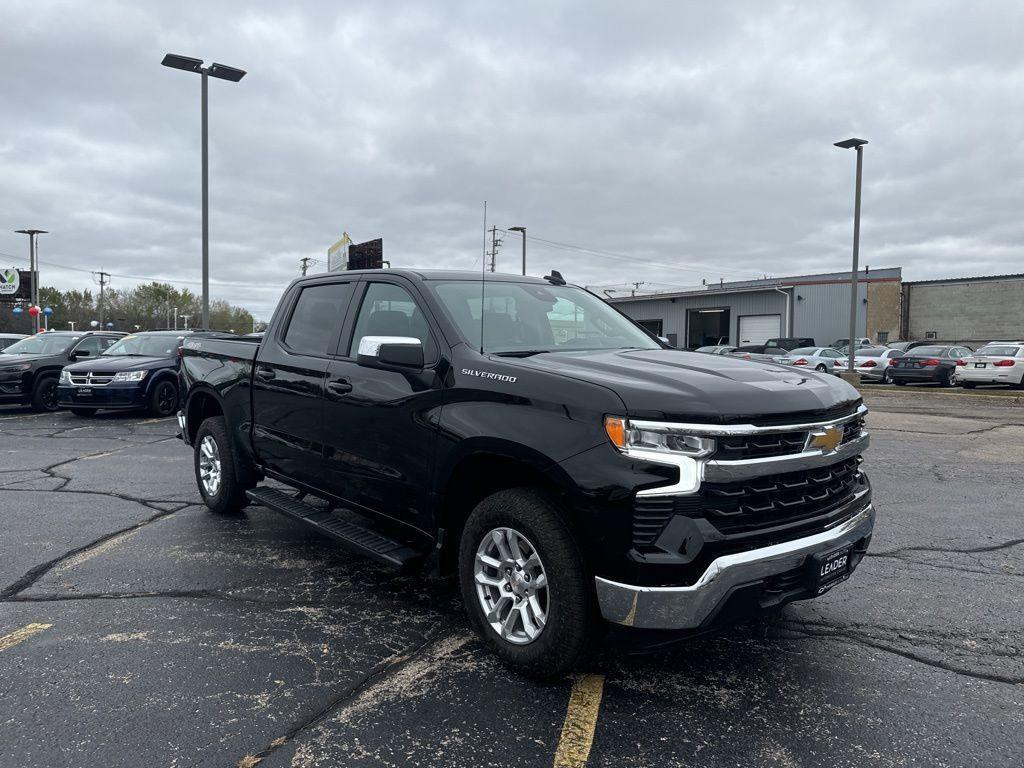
(265, 374)
(340, 386)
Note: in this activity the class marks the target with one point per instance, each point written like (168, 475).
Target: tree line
(142, 308)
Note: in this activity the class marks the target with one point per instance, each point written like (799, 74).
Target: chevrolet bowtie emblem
(826, 439)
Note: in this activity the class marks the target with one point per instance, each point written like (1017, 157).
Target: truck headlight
(15, 368)
(130, 375)
(661, 437)
(65, 376)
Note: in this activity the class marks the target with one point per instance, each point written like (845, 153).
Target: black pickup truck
(523, 434)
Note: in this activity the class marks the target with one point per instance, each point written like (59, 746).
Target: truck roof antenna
(555, 278)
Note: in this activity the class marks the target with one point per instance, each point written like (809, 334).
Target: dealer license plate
(83, 391)
(829, 569)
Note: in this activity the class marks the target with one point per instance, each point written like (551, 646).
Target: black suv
(138, 371)
(30, 368)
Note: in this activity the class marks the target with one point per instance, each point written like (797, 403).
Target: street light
(857, 144)
(523, 230)
(33, 267)
(223, 72)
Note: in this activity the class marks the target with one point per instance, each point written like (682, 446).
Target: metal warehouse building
(753, 311)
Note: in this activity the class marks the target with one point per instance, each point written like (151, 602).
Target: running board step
(354, 536)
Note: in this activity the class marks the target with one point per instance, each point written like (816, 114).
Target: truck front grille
(763, 446)
(749, 507)
(767, 502)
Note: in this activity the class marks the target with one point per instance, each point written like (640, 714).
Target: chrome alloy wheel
(511, 585)
(209, 465)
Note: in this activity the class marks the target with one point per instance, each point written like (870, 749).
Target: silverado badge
(826, 439)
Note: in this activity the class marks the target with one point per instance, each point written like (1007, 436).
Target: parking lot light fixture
(523, 231)
(33, 267)
(221, 72)
(857, 144)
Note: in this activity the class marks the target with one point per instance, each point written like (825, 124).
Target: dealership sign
(14, 284)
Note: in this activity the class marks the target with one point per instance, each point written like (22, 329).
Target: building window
(883, 337)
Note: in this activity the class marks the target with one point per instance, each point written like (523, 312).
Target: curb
(993, 397)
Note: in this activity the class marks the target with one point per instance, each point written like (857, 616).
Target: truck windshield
(145, 345)
(43, 344)
(533, 318)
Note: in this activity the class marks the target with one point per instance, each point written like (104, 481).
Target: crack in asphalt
(381, 671)
(896, 553)
(801, 628)
(37, 572)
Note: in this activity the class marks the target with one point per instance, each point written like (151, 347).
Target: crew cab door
(380, 420)
(288, 381)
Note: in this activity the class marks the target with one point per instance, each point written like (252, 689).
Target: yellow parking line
(580, 721)
(21, 635)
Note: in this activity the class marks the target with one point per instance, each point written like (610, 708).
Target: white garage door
(757, 329)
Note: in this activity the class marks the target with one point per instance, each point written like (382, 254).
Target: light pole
(523, 230)
(174, 61)
(857, 144)
(33, 267)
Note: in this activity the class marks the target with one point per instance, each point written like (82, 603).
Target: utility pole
(636, 287)
(103, 279)
(304, 262)
(858, 146)
(495, 245)
(72, 324)
(175, 318)
(185, 318)
(523, 231)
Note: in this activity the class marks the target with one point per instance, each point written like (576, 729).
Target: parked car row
(89, 371)
(901, 362)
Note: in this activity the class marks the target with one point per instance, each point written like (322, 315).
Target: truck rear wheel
(222, 490)
(524, 584)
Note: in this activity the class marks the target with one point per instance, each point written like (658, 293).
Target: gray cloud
(695, 138)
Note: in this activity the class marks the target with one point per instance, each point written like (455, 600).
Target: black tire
(946, 379)
(163, 400)
(820, 368)
(969, 385)
(572, 626)
(229, 497)
(900, 383)
(44, 394)
(886, 377)
(84, 411)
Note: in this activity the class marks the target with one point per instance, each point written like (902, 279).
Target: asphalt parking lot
(136, 629)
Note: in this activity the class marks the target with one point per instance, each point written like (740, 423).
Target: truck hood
(14, 359)
(671, 384)
(114, 363)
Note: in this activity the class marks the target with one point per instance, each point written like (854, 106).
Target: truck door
(288, 381)
(380, 421)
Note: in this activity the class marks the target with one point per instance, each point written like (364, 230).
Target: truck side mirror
(398, 351)
(79, 353)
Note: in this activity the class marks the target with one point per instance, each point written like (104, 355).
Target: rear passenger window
(317, 316)
(390, 310)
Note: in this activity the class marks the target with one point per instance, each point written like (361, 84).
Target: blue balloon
(48, 311)
(18, 310)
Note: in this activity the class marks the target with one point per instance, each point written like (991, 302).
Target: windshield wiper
(521, 353)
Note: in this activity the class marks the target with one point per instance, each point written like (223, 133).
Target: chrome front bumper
(688, 607)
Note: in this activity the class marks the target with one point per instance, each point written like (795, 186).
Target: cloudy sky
(670, 142)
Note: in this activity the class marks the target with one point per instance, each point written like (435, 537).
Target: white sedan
(820, 359)
(994, 364)
(873, 363)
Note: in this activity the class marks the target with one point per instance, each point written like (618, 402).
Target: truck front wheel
(524, 584)
(222, 490)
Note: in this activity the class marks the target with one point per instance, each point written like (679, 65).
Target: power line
(138, 277)
(635, 259)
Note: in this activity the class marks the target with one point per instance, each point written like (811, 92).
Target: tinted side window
(94, 345)
(390, 310)
(317, 316)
